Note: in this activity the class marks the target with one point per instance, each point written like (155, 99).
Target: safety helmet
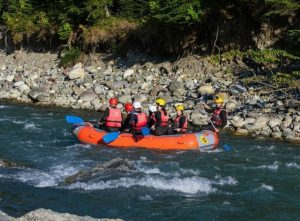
(152, 108)
(219, 99)
(137, 104)
(179, 107)
(128, 107)
(160, 102)
(113, 101)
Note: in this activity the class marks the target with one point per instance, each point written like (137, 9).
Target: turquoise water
(258, 180)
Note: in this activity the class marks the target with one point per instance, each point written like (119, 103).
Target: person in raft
(180, 122)
(129, 111)
(138, 119)
(161, 118)
(218, 118)
(112, 117)
(152, 117)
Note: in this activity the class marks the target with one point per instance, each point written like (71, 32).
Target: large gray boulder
(77, 72)
(274, 121)
(206, 89)
(88, 96)
(124, 99)
(261, 122)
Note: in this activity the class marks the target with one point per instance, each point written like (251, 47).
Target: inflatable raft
(203, 140)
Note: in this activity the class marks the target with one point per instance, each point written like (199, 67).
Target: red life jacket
(215, 118)
(176, 123)
(141, 121)
(114, 118)
(164, 118)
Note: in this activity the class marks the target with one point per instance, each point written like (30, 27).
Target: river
(258, 179)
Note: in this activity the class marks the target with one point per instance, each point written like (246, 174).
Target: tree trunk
(70, 40)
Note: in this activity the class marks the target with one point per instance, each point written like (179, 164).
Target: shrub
(70, 57)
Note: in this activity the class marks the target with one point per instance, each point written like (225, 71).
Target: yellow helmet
(179, 107)
(161, 102)
(219, 99)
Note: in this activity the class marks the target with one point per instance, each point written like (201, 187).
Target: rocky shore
(49, 215)
(37, 78)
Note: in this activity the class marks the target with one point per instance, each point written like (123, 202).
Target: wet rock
(88, 96)
(7, 163)
(44, 98)
(241, 132)
(114, 164)
(277, 135)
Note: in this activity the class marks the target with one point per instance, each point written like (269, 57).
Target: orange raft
(203, 140)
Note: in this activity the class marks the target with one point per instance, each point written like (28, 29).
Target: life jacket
(141, 121)
(152, 117)
(114, 118)
(176, 123)
(164, 118)
(215, 118)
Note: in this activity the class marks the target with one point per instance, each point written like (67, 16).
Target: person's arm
(181, 122)
(133, 119)
(223, 116)
(105, 115)
(158, 119)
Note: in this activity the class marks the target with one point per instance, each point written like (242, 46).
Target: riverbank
(36, 78)
(49, 215)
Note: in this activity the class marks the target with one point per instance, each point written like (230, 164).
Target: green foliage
(70, 57)
(64, 31)
(280, 80)
(176, 12)
(282, 7)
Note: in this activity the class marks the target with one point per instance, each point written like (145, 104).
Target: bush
(70, 57)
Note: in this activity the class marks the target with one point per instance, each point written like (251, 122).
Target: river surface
(257, 180)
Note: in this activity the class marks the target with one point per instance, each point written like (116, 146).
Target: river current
(257, 180)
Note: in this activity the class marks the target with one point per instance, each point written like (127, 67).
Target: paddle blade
(110, 137)
(145, 131)
(74, 120)
(226, 147)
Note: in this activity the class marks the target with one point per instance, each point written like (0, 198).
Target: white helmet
(152, 108)
(137, 104)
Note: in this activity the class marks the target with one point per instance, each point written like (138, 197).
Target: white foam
(3, 106)
(146, 197)
(30, 126)
(45, 179)
(293, 164)
(229, 180)
(19, 121)
(273, 166)
(190, 185)
(267, 187)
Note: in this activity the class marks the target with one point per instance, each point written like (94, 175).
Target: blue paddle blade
(110, 137)
(226, 147)
(74, 119)
(145, 131)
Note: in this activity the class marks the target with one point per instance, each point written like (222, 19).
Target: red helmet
(128, 107)
(113, 101)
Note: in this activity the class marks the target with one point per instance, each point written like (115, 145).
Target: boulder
(231, 106)
(124, 98)
(128, 73)
(43, 98)
(49, 215)
(277, 135)
(175, 85)
(261, 122)
(140, 98)
(206, 89)
(274, 122)
(76, 73)
(18, 83)
(88, 96)
(241, 132)
(10, 78)
(99, 89)
(198, 119)
(24, 88)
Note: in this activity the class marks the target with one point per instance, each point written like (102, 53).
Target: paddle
(145, 131)
(74, 120)
(110, 137)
